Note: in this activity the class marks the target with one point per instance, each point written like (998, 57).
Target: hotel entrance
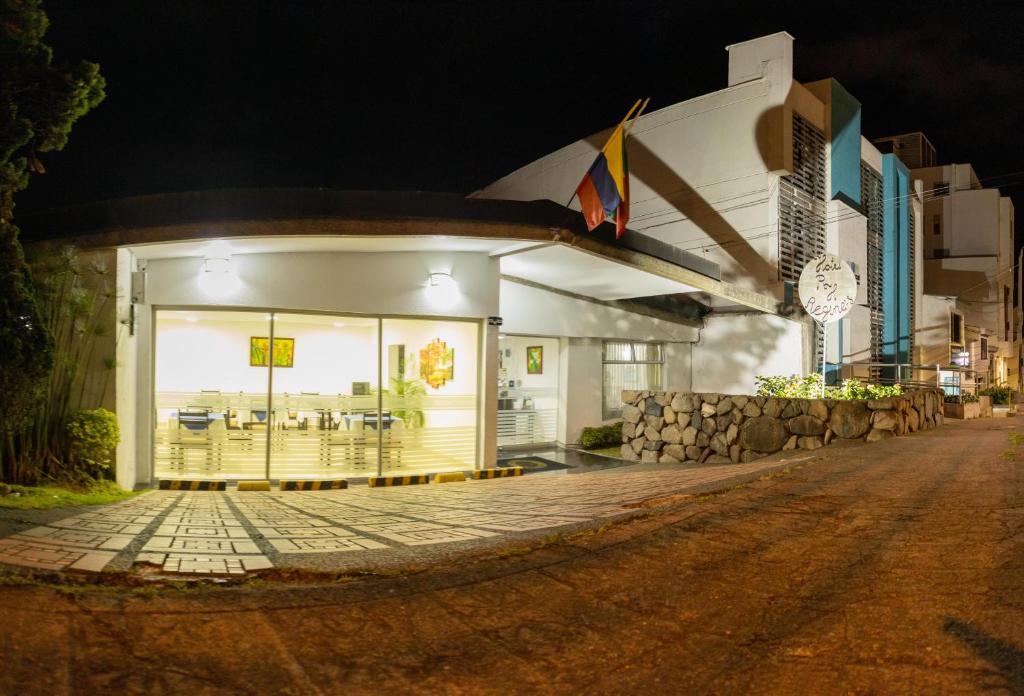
(528, 368)
(244, 394)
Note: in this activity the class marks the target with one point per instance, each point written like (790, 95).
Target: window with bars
(630, 365)
(871, 202)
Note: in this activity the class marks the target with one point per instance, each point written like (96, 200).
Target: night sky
(450, 96)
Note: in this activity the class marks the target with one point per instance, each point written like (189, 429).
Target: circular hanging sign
(828, 288)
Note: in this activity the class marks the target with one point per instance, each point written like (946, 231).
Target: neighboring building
(968, 256)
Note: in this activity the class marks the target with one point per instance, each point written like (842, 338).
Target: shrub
(601, 436)
(92, 437)
(809, 387)
(964, 398)
(1000, 395)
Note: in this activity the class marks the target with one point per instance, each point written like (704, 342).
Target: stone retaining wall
(674, 427)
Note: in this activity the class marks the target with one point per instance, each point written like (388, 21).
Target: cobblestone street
(896, 567)
(231, 533)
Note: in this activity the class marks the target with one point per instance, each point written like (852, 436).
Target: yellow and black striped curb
(313, 485)
(185, 485)
(378, 481)
(498, 473)
(449, 477)
(253, 486)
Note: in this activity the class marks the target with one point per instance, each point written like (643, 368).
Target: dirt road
(891, 568)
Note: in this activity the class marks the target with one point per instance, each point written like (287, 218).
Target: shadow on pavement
(1005, 657)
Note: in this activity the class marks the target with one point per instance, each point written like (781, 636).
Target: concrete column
(488, 436)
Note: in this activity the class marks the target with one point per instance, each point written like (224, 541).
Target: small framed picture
(535, 360)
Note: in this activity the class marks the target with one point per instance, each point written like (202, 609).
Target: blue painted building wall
(845, 146)
(896, 262)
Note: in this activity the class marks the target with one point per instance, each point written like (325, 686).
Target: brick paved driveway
(232, 533)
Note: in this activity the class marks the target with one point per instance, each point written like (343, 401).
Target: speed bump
(384, 481)
(303, 485)
(254, 485)
(449, 477)
(188, 485)
(503, 472)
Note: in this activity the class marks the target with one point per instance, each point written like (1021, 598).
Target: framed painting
(437, 363)
(259, 348)
(535, 360)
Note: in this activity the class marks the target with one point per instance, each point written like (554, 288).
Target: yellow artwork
(437, 363)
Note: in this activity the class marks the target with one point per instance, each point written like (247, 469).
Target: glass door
(527, 390)
(210, 394)
(324, 399)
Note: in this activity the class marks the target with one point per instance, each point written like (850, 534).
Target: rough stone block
(652, 433)
(682, 403)
(708, 410)
(731, 433)
(724, 406)
(628, 454)
(739, 401)
(818, 409)
(806, 425)
(628, 430)
(722, 423)
(669, 415)
(653, 445)
(638, 444)
(734, 453)
(693, 452)
(791, 443)
(689, 435)
(696, 419)
(773, 407)
(711, 398)
(656, 422)
(672, 434)
(737, 416)
(719, 444)
(875, 435)
(829, 435)
(709, 426)
(677, 451)
(649, 456)
(881, 404)
(791, 410)
(703, 439)
(763, 434)
(629, 396)
(885, 420)
(631, 414)
(652, 407)
(668, 459)
(662, 399)
(850, 419)
(750, 455)
(751, 410)
(705, 454)
(810, 443)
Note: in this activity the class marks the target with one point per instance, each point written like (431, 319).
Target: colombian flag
(604, 190)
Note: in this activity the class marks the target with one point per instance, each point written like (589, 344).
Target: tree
(40, 100)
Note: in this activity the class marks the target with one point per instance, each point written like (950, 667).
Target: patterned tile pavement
(232, 533)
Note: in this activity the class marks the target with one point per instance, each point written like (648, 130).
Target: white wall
(125, 388)
(529, 310)
(703, 173)
(371, 283)
(583, 382)
(771, 344)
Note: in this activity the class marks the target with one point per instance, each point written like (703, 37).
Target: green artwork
(535, 360)
(284, 351)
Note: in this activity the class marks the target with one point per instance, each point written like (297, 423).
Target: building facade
(968, 257)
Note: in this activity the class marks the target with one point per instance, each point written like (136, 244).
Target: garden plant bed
(675, 427)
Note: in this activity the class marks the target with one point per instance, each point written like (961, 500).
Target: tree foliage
(40, 100)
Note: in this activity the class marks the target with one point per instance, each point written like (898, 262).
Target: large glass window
(309, 386)
(630, 365)
(210, 399)
(429, 414)
(527, 390)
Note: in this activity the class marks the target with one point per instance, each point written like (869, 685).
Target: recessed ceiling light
(192, 318)
(339, 324)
